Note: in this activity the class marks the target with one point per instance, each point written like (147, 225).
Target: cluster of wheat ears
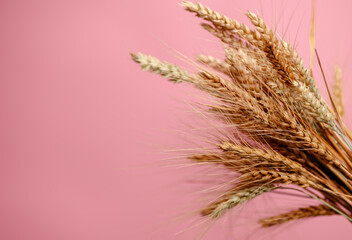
(284, 133)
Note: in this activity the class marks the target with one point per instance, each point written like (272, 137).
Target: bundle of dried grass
(284, 132)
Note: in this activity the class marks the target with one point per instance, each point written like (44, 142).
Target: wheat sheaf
(287, 134)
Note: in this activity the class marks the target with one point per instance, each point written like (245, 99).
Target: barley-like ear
(222, 21)
(312, 211)
(337, 91)
(232, 199)
(165, 69)
(263, 157)
(214, 63)
(282, 178)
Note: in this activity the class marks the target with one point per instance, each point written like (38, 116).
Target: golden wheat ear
(337, 91)
(308, 212)
(165, 69)
(232, 199)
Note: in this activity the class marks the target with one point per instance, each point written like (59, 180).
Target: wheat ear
(312, 211)
(165, 69)
(337, 91)
(233, 198)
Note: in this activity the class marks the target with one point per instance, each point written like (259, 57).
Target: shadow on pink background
(82, 127)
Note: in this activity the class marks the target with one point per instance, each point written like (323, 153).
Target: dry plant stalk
(282, 131)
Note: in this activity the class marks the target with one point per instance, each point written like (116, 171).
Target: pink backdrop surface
(82, 127)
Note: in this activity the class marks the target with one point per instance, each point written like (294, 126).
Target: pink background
(82, 127)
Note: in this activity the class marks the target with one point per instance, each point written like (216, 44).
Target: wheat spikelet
(214, 63)
(271, 176)
(224, 36)
(165, 69)
(317, 109)
(290, 153)
(264, 156)
(337, 91)
(232, 199)
(312, 211)
(230, 39)
(220, 20)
